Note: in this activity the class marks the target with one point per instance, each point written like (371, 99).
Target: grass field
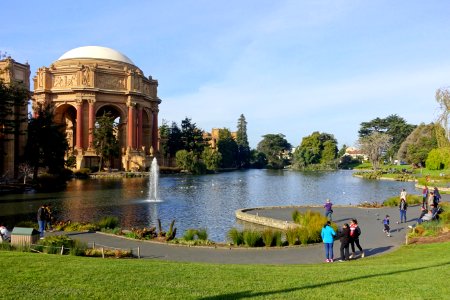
(412, 272)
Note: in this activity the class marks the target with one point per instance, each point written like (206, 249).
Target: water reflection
(197, 201)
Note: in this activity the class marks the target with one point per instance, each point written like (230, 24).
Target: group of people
(430, 198)
(348, 236)
(44, 218)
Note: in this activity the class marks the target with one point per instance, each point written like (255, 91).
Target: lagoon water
(207, 201)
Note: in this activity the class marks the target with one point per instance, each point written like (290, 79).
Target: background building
(12, 144)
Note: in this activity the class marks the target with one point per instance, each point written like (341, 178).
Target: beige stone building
(86, 82)
(13, 144)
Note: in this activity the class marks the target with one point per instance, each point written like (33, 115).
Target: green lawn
(413, 272)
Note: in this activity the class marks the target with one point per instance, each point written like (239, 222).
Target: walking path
(373, 240)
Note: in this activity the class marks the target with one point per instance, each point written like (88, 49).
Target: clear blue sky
(291, 67)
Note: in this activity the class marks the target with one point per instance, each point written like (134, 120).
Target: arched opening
(67, 115)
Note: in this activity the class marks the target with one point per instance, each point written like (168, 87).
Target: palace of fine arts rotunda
(87, 82)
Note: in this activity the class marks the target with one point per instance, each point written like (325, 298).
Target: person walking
(403, 207)
(387, 228)
(328, 235)
(344, 237)
(48, 217)
(355, 232)
(328, 209)
(41, 217)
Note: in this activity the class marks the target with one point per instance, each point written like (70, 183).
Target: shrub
(251, 237)
(108, 223)
(291, 236)
(82, 173)
(28, 224)
(268, 237)
(53, 245)
(116, 253)
(277, 238)
(189, 234)
(302, 234)
(202, 234)
(410, 199)
(235, 236)
(438, 159)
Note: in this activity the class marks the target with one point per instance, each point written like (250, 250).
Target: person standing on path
(355, 232)
(424, 197)
(430, 200)
(328, 210)
(437, 197)
(403, 206)
(328, 235)
(41, 217)
(344, 237)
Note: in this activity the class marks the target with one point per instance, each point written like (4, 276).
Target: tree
(275, 147)
(418, 144)
(258, 160)
(243, 157)
(228, 149)
(192, 137)
(316, 149)
(105, 140)
(46, 144)
(342, 150)
(211, 158)
(443, 98)
(392, 125)
(375, 146)
(164, 134)
(189, 161)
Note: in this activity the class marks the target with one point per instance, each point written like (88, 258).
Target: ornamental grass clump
(410, 199)
(311, 223)
(291, 236)
(189, 234)
(235, 236)
(252, 238)
(268, 237)
(202, 234)
(108, 223)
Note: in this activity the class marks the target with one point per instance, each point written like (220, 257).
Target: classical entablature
(87, 82)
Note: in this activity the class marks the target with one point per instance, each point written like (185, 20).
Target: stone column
(91, 122)
(139, 135)
(155, 131)
(131, 125)
(79, 141)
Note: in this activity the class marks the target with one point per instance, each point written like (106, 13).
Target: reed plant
(251, 237)
(202, 234)
(109, 222)
(277, 237)
(268, 237)
(189, 234)
(291, 236)
(236, 236)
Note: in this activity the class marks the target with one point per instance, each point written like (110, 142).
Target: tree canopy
(243, 156)
(275, 148)
(418, 144)
(375, 146)
(105, 141)
(393, 125)
(228, 149)
(317, 148)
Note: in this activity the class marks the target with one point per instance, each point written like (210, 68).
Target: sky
(290, 67)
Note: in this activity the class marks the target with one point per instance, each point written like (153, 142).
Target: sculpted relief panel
(68, 80)
(111, 82)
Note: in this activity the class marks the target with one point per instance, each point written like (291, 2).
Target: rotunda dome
(96, 52)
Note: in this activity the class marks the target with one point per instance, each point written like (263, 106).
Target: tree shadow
(251, 294)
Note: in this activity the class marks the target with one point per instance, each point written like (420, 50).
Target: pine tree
(243, 157)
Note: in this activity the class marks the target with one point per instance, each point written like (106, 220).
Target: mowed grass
(412, 272)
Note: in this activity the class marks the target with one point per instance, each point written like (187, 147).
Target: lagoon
(206, 201)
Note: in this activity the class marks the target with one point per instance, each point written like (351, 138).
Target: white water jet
(153, 194)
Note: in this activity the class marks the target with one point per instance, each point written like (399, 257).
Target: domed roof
(96, 52)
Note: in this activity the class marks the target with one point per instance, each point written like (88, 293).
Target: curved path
(372, 239)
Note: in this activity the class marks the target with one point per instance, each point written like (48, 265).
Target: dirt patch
(444, 237)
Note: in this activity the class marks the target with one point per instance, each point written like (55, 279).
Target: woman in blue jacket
(328, 235)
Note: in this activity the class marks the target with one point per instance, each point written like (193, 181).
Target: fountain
(153, 195)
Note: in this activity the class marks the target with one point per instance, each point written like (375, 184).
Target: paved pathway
(372, 239)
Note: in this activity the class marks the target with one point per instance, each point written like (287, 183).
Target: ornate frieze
(111, 82)
(62, 81)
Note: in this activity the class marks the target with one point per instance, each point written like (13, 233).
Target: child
(386, 229)
(328, 209)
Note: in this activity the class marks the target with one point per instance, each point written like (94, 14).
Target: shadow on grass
(251, 294)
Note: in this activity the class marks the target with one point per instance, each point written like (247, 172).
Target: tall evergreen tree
(243, 156)
(228, 149)
(192, 137)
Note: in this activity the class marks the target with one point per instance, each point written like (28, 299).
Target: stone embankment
(255, 218)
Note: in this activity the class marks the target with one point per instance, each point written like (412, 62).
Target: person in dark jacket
(403, 206)
(344, 237)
